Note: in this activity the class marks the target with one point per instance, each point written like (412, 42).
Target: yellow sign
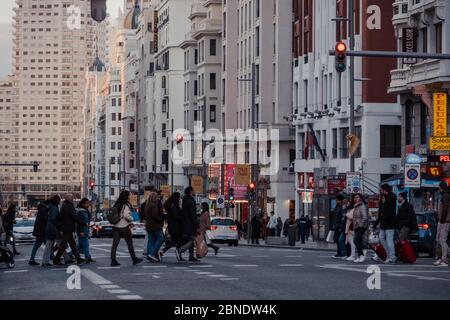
(165, 191)
(242, 175)
(440, 114)
(197, 184)
(440, 143)
(105, 204)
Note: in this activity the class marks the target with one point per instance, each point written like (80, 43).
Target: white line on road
(293, 256)
(259, 256)
(107, 268)
(225, 256)
(16, 271)
(117, 291)
(156, 277)
(201, 266)
(229, 279)
(245, 265)
(130, 297)
(151, 267)
(94, 278)
(217, 276)
(201, 272)
(181, 268)
(291, 265)
(109, 286)
(191, 270)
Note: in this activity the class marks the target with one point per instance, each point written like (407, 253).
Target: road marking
(130, 297)
(245, 265)
(291, 265)
(201, 272)
(109, 250)
(94, 278)
(229, 279)
(156, 277)
(293, 256)
(217, 276)
(107, 268)
(181, 268)
(144, 274)
(191, 270)
(260, 256)
(201, 266)
(116, 291)
(99, 245)
(151, 267)
(16, 271)
(109, 286)
(20, 260)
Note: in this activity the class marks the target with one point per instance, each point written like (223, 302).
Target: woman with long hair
(360, 224)
(205, 224)
(349, 229)
(122, 229)
(154, 225)
(174, 236)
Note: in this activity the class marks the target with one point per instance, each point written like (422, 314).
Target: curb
(286, 247)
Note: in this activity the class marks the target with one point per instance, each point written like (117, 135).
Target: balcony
(210, 26)
(197, 10)
(400, 8)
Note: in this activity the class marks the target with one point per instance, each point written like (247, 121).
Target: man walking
(68, 220)
(39, 230)
(9, 220)
(302, 227)
(444, 224)
(190, 224)
(83, 231)
(338, 214)
(406, 217)
(386, 220)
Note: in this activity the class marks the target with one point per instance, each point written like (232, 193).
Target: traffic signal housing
(98, 10)
(251, 191)
(231, 198)
(179, 139)
(341, 57)
(91, 184)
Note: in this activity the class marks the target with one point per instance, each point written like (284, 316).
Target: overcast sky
(6, 18)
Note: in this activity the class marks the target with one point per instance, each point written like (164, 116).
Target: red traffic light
(252, 186)
(179, 138)
(91, 184)
(341, 47)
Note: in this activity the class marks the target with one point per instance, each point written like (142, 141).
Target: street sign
(440, 143)
(412, 175)
(220, 202)
(440, 114)
(353, 182)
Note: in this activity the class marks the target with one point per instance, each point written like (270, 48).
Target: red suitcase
(406, 252)
(379, 250)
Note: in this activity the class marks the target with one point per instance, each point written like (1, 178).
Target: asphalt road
(242, 273)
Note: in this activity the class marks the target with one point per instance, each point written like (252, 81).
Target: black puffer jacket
(387, 216)
(41, 221)
(189, 213)
(68, 218)
(406, 217)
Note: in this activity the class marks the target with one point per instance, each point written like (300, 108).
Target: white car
(23, 230)
(223, 230)
(138, 230)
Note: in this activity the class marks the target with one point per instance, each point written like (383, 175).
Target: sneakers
(376, 258)
(137, 261)
(193, 259)
(80, 261)
(33, 263)
(152, 258)
(361, 259)
(351, 258)
(437, 262)
(336, 256)
(178, 254)
(115, 263)
(442, 264)
(90, 260)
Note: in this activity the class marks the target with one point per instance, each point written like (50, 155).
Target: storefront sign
(197, 184)
(336, 184)
(243, 174)
(409, 44)
(435, 171)
(442, 159)
(307, 197)
(155, 31)
(440, 143)
(412, 175)
(440, 114)
(353, 182)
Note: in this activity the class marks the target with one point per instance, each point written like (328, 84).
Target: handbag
(207, 239)
(330, 237)
(201, 248)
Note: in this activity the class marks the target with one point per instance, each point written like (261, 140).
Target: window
(409, 115)
(165, 159)
(358, 133)
(113, 117)
(257, 41)
(425, 40)
(212, 113)
(131, 127)
(113, 131)
(212, 47)
(439, 38)
(344, 143)
(131, 163)
(131, 146)
(212, 81)
(163, 130)
(113, 145)
(390, 141)
(112, 176)
(423, 123)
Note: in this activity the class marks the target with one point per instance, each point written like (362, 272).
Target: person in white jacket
(272, 225)
(122, 229)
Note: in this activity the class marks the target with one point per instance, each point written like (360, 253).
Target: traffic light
(341, 57)
(98, 10)
(91, 184)
(251, 188)
(179, 139)
(35, 166)
(231, 198)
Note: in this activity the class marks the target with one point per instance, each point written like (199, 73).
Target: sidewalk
(309, 245)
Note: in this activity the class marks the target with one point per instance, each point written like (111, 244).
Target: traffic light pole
(351, 17)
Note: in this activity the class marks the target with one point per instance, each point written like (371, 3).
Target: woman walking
(154, 223)
(349, 230)
(83, 231)
(52, 232)
(174, 223)
(360, 224)
(122, 229)
(205, 224)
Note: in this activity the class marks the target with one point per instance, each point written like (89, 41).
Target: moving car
(223, 230)
(23, 230)
(102, 229)
(425, 239)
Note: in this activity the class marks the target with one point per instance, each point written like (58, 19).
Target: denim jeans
(83, 243)
(341, 244)
(387, 240)
(37, 244)
(155, 241)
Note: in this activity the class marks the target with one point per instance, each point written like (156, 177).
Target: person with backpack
(83, 231)
(174, 222)
(360, 226)
(154, 223)
(39, 230)
(121, 219)
(68, 221)
(190, 224)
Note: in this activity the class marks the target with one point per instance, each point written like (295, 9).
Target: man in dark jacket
(67, 223)
(444, 224)
(190, 224)
(302, 226)
(9, 220)
(387, 222)
(338, 227)
(406, 217)
(39, 230)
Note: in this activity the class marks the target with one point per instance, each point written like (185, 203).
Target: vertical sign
(412, 175)
(155, 31)
(197, 184)
(440, 114)
(243, 174)
(409, 44)
(353, 182)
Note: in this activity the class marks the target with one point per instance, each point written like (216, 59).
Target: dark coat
(387, 216)
(41, 222)
(338, 219)
(302, 224)
(84, 215)
(256, 227)
(51, 230)
(68, 218)
(9, 218)
(174, 221)
(189, 213)
(153, 221)
(406, 217)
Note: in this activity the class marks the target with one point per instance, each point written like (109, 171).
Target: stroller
(6, 255)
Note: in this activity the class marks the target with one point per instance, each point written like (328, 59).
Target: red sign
(336, 184)
(444, 158)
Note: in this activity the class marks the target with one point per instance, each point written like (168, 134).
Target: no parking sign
(412, 175)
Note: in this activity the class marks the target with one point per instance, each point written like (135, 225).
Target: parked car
(425, 239)
(223, 230)
(23, 230)
(102, 229)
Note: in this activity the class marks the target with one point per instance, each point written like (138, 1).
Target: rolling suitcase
(406, 252)
(380, 251)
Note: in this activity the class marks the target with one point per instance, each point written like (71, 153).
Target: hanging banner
(440, 114)
(197, 184)
(243, 174)
(410, 44)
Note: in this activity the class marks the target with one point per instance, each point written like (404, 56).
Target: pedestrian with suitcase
(387, 222)
(406, 217)
(443, 225)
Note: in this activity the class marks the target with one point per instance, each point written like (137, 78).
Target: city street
(236, 273)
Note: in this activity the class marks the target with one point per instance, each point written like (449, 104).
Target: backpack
(113, 216)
